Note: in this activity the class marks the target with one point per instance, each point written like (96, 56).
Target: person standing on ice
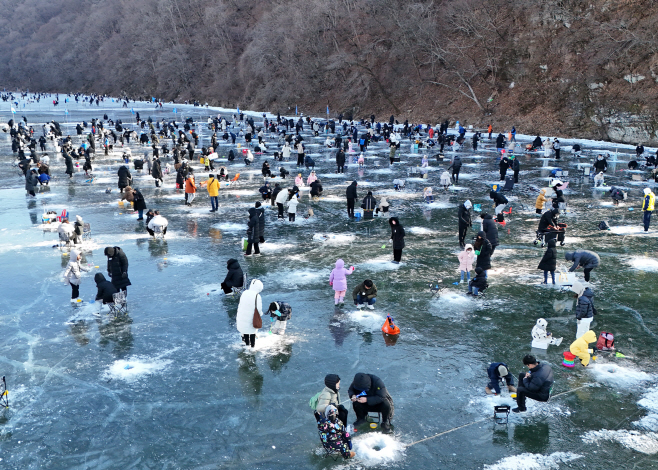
(584, 307)
(548, 147)
(556, 147)
(340, 161)
(465, 221)
(397, 239)
(647, 207)
(456, 166)
(253, 230)
(117, 267)
(73, 276)
(351, 195)
(548, 262)
(280, 199)
(338, 280)
(251, 304)
(483, 252)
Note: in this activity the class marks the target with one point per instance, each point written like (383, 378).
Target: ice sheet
(529, 461)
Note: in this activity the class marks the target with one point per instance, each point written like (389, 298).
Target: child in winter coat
(292, 209)
(338, 280)
(73, 276)
(580, 347)
(466, 260)
(478, 283)
(445, 180)
(427, 194)
(299, 180)
(584, 307)
(541, 199)
(361, 161)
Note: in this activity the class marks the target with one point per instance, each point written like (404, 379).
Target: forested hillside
(552, 67)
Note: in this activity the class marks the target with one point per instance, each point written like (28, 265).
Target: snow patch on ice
(230, 227)
(380, 264)
(650, 402)
(295, 278)
(632, 230)
(420, 230)
(268, 344)
(617, 375)
(136, 368)
(640, 442)
(440, 205)
(529, 461)
(377, 448)
(334, 238)
(368, 319)
(644, 264)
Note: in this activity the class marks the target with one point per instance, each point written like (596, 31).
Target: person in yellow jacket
(541, 199)
(580, 347)
(212, 185)
(647, 207)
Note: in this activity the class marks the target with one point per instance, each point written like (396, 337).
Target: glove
(124, 275)
(352, 268)
(477, 252)
(331, 283)
(277, 313)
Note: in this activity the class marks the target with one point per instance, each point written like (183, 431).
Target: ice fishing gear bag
(603, 225)
(258, 321)
(606, 342)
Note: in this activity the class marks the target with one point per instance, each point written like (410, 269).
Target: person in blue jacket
(498, 372)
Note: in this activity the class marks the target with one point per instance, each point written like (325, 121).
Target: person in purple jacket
(338, 281)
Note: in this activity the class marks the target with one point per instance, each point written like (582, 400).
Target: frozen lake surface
(171, 386)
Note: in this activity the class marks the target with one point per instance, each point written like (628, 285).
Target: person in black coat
(117, 267)
(351, 195)
(549, 224)
(535, 384)
(124, 177)
(478, 284)
(537, 143)
(499, 202)
(503, 167)
(340, 160)
(316, 188)
(516, 166)
(261, 222)
(456, 166)
(69, 164)
(156, 172)
(549, 261)
(368, 393)
(106, 289)
(500, 141)
(253, 230)
(275, 193)
(483, 251)
(139, 204)
(489, 227)
(234, 277)
(397, 237)
(368, 205)
(464, 216)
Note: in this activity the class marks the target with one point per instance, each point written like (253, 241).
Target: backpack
(603, 225)
(606, 342)
(313, 402)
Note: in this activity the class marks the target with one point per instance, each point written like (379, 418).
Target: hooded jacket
(497, 198)
(350, 192)
(212, 185)
(466, 258)
(540, 380)
(117, 266)
(369, 202)
(541, 199)
(464, 216)
(616, 194)
(124, 176)
(253, 226)
(138, 200)
(549, 260)
(249, 300)
(337, 278)
(281, 197)
(585, 305)
(329, 395)
(370, 293)
(156, 170)
(106, 289)
(397, 233)
(479, 281)
(69, 164)
(580, 347)
(601, 164)
(261, 221)
(489, 227)
(375, 389)
(456, 163)
(316, 187)
(292, 205)
(586, 259)
(31, 181)
(484, 258)
(494, 375)
(72, 273)
(235, 276)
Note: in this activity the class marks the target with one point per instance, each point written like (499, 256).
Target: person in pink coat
(299, 180)
(466, 259)
(338, 280)
(312, 177)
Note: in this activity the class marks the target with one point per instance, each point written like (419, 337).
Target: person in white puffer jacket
(249, 300)
(73, 276)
